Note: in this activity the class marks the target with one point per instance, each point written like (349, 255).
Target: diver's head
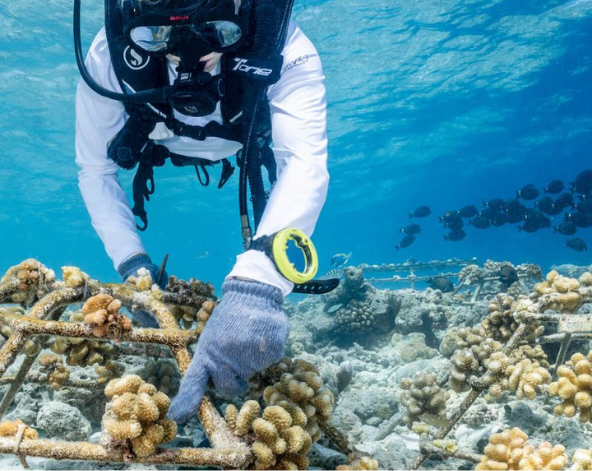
(189, 29)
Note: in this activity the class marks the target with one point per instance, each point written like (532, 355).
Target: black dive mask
(188, 29)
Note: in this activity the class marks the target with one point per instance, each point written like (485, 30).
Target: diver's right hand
(131, 265)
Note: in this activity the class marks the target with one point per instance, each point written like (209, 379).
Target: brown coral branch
(228, 458)
(217, 430)
(7, 289)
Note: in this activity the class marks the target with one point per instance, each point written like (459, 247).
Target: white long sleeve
(298, 111)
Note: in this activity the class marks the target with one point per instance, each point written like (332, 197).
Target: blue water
(438, 102)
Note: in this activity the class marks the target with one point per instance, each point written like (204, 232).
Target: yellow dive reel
(280, 248)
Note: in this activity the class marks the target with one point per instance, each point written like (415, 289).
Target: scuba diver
(197, 81)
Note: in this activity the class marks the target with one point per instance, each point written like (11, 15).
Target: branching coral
(74, 277)
(422, 395)
(277, 441)
(470, 361)
(509, 450)
(471, 275)
(302, 394)
(83, 352)
(10, 429)
(559, 293)
(502, 321)
(574, 386)
(52, 366)
(524, 372)
(32, 279)
(110, 370)
(582, 459)
(102, 313)
(164, 375)
(355, 317)
(137, 413)
(187, 315)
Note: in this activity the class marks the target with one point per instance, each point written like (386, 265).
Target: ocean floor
(401, 360)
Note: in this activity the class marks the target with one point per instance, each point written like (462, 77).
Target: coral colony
(71, 337)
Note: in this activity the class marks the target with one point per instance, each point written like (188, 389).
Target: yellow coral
(510, 450)
(10, 429)
(102, 313)
(360, 463)
(136, 413)
(74, 277)
(574, 386)
(422, 395)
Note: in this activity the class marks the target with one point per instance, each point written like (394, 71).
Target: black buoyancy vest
(132, 145)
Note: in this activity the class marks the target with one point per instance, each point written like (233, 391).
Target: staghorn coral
(33, 279)
(422, 395)
(53, 369)
(102, 313)
(574, 386)
(164, 375)
(137, 413)
(277, 441)
(10, 429)
(509, 450)
(558, 292)
(301, 392)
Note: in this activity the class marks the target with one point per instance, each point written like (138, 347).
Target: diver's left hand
(245, 334)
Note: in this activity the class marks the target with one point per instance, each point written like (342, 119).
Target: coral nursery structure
(135, 427)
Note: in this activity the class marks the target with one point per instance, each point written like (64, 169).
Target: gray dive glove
(245, 334)
(130, 267)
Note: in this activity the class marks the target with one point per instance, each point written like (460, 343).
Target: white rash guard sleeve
(98, 120)
(298, 111)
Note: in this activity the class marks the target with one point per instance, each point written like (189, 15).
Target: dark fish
(449, 216)
(556, 186)
(480, 223)
(566, 228)
(508, 275)
(528, 192)
(515, 207)
(495, 204)
(584, 206)
(421, 212)
(514, 218)
(411, 229)
(582, 220)
(487, 213)
(545, 204)
(577, 244)
(468, 211)
(340, 259)
(529, 228)
(583, 183)
(405, 241)
(564, 200)
(455, 235)
(499, 219)
(442, 283)
(454, 224)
